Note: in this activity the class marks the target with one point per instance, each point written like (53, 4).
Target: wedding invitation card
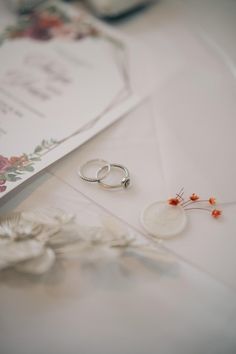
(63, 78)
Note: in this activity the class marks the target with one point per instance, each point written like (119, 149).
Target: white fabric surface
(182, 136)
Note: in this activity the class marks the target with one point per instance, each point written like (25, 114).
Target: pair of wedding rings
(104, 170)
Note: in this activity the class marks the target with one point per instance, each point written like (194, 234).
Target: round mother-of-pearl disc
(163, 220)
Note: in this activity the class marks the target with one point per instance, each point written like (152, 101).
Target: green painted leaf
(37, 149)
(29, 168)
(12, 178)
(35, 159)
(11, 169)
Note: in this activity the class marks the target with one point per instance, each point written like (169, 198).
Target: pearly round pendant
(163, 220)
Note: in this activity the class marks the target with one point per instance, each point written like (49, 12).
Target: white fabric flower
(31, 241)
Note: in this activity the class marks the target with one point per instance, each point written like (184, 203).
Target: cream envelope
(204, 242)
(185, 140)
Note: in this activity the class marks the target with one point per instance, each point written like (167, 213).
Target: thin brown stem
(180, 194)
(188, 202)
(207, 209)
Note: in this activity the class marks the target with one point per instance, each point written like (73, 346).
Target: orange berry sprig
(216, 213)
(193, 199)
(174, 201)
(212, 201)
(178, 199)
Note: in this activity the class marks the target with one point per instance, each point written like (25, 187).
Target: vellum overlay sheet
(63, 78)
(79, 280)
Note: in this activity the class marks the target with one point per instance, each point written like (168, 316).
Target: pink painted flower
(47, 20)
(66, 31)
(19, 161)
(4, 164)
(2, 189)
(2, 181)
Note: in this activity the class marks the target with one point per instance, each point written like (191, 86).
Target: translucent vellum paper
(108, 290)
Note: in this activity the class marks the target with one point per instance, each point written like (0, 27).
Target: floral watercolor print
(48, 23)
(12, 169)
